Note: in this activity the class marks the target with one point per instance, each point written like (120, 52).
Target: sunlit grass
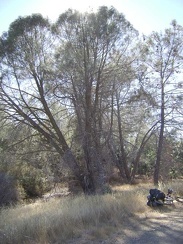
(60, 219)
(175, 185)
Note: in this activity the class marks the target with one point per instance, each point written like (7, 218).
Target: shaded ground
(162, 226)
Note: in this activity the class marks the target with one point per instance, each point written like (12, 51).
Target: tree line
(88, 93)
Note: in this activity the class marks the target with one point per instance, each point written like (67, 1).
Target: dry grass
(60, 219)
(176, 185)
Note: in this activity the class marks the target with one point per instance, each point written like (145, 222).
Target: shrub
(33, 183)
(8, 191)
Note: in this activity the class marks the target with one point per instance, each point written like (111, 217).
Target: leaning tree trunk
(140, 150)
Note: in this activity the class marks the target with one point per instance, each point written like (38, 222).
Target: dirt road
(163, 226)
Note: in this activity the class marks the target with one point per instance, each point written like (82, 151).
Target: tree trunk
(140, 151)
(160, 141)
(122, 157)
(158, 157)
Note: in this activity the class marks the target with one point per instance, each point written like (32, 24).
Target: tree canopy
(93, 90)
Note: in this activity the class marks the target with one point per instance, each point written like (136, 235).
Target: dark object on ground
(155, 198)
(170, 191)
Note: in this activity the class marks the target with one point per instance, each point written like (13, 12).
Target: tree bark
(122, 156)
(160, 141)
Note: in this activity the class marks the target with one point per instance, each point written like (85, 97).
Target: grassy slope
(60, 219)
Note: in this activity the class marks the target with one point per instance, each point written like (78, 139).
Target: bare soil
(161, 226)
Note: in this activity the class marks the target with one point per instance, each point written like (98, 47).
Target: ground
(161, 226)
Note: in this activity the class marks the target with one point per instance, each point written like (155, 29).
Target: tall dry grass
(60, 219)
(175, 185)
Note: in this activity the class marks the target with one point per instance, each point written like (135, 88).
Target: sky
(145, 15)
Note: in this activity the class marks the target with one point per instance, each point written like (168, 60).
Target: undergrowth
(60, 219)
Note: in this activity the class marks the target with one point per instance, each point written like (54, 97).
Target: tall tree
(92, 47)
(33, 82)
(164, 61)
(132, 115)
(27, 77)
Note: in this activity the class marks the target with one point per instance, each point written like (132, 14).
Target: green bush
(33, 182)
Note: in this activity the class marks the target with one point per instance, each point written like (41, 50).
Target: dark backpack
(155, 198)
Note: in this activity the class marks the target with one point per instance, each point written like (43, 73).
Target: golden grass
(60, 219)
(176, 185)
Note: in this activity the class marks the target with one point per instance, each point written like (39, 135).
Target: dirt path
(163, 226)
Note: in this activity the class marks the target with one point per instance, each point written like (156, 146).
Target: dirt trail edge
(163, 226)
